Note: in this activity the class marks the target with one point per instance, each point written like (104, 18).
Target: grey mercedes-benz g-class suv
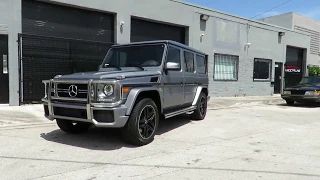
(136, 85)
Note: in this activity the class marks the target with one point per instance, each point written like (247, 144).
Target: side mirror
(172, 66)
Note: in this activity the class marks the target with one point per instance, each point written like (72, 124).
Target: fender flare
(133, 95)
(196, 97)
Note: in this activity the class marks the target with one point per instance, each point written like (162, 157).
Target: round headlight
(108, 90)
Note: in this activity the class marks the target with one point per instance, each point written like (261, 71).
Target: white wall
(10, 24)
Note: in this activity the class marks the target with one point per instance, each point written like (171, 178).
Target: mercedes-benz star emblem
(73, 91)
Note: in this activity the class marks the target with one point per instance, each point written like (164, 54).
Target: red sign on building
(294, 69)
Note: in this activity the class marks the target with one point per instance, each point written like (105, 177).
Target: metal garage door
(294, 66)
(57, 39)
(142, 30)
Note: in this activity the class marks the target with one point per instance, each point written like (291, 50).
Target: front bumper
(311, 98)
(83, 110)
(98, 115)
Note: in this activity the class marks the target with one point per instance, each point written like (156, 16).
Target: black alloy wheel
(203, 105)
(147, 121)
(201, 110)
(142, 123)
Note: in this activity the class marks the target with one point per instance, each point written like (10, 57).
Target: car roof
(183, 46)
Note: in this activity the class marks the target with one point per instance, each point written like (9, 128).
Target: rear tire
(289, 102)
(201, 110)
(142, 123)
(72, 127)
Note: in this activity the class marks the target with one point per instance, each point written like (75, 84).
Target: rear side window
(189, 60)
(201, 64)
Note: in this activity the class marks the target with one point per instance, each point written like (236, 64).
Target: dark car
(308, 90)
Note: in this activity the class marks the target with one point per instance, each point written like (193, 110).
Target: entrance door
(173, 82)
(277, 77)
(4, 71)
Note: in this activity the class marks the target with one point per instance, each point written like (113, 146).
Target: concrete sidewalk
(227, 102)
(259, 142)
(27, 115)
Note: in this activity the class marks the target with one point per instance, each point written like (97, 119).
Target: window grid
(226, 67)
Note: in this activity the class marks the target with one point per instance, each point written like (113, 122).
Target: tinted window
(189, 60)
(310, 80)
(141, 55)
(201, 64)
(262, 69)
(174, 55)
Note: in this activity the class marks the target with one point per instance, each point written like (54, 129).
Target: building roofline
(246, 19)
(277, 15)
(306, 17)
(162, 41)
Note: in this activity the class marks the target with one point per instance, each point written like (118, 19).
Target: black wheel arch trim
(134, 94)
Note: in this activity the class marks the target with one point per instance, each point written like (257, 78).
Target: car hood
(97, 75)
(304, 87)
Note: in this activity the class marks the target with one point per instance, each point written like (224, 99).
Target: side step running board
(182, 111)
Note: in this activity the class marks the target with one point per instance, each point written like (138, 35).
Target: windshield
(135, 56)
(310, 80)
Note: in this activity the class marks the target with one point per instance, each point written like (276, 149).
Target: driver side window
(174, 56)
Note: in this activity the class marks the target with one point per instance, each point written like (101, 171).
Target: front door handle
(5, 64)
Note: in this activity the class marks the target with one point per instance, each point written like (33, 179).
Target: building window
(201, 64)
(262, 69)
(189, 60)
(226, 67)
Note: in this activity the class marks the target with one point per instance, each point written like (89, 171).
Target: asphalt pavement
(252, 141)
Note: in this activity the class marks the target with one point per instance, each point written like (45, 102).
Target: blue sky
(250, 8)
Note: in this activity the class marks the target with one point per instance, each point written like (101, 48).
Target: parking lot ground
(261, 141)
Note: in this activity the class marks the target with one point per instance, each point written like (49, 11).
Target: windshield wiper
(134, 65)
(112, 66)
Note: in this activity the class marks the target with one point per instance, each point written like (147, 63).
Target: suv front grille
(72, 90)
(69, 112)
(297, 92)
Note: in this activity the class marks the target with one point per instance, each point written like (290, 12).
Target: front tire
(201, 111)
(72, 127)
(289, 102)
(142, 123)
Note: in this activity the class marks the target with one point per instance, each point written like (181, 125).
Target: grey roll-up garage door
(58, 39)
(142, 30)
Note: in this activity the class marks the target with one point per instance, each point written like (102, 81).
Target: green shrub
(314, 71)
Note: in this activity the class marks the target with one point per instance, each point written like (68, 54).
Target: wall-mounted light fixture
(281, 33)
(121, 23)
(201, 37)
(204, 17)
